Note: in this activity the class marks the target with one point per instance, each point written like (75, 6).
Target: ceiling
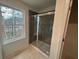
(40, 4)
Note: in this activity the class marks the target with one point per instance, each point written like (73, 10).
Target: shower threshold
(43, 47)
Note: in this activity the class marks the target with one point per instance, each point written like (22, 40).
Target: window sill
(13, 40)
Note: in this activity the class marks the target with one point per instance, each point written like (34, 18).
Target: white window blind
(13, 24)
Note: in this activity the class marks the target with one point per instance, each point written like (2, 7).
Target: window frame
(24, 32)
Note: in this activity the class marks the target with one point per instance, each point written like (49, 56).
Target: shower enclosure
(43, 24)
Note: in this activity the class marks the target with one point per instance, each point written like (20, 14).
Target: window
(13, 24)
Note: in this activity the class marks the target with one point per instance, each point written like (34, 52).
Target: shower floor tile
(42, 46)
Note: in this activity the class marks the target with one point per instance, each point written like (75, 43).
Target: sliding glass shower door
(43, 32)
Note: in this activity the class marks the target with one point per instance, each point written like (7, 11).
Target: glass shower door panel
(45, 32)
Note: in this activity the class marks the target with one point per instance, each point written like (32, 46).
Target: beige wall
(20, 44)
(14, 48)
(71, 41)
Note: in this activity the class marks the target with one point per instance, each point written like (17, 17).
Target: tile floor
(30, 53)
